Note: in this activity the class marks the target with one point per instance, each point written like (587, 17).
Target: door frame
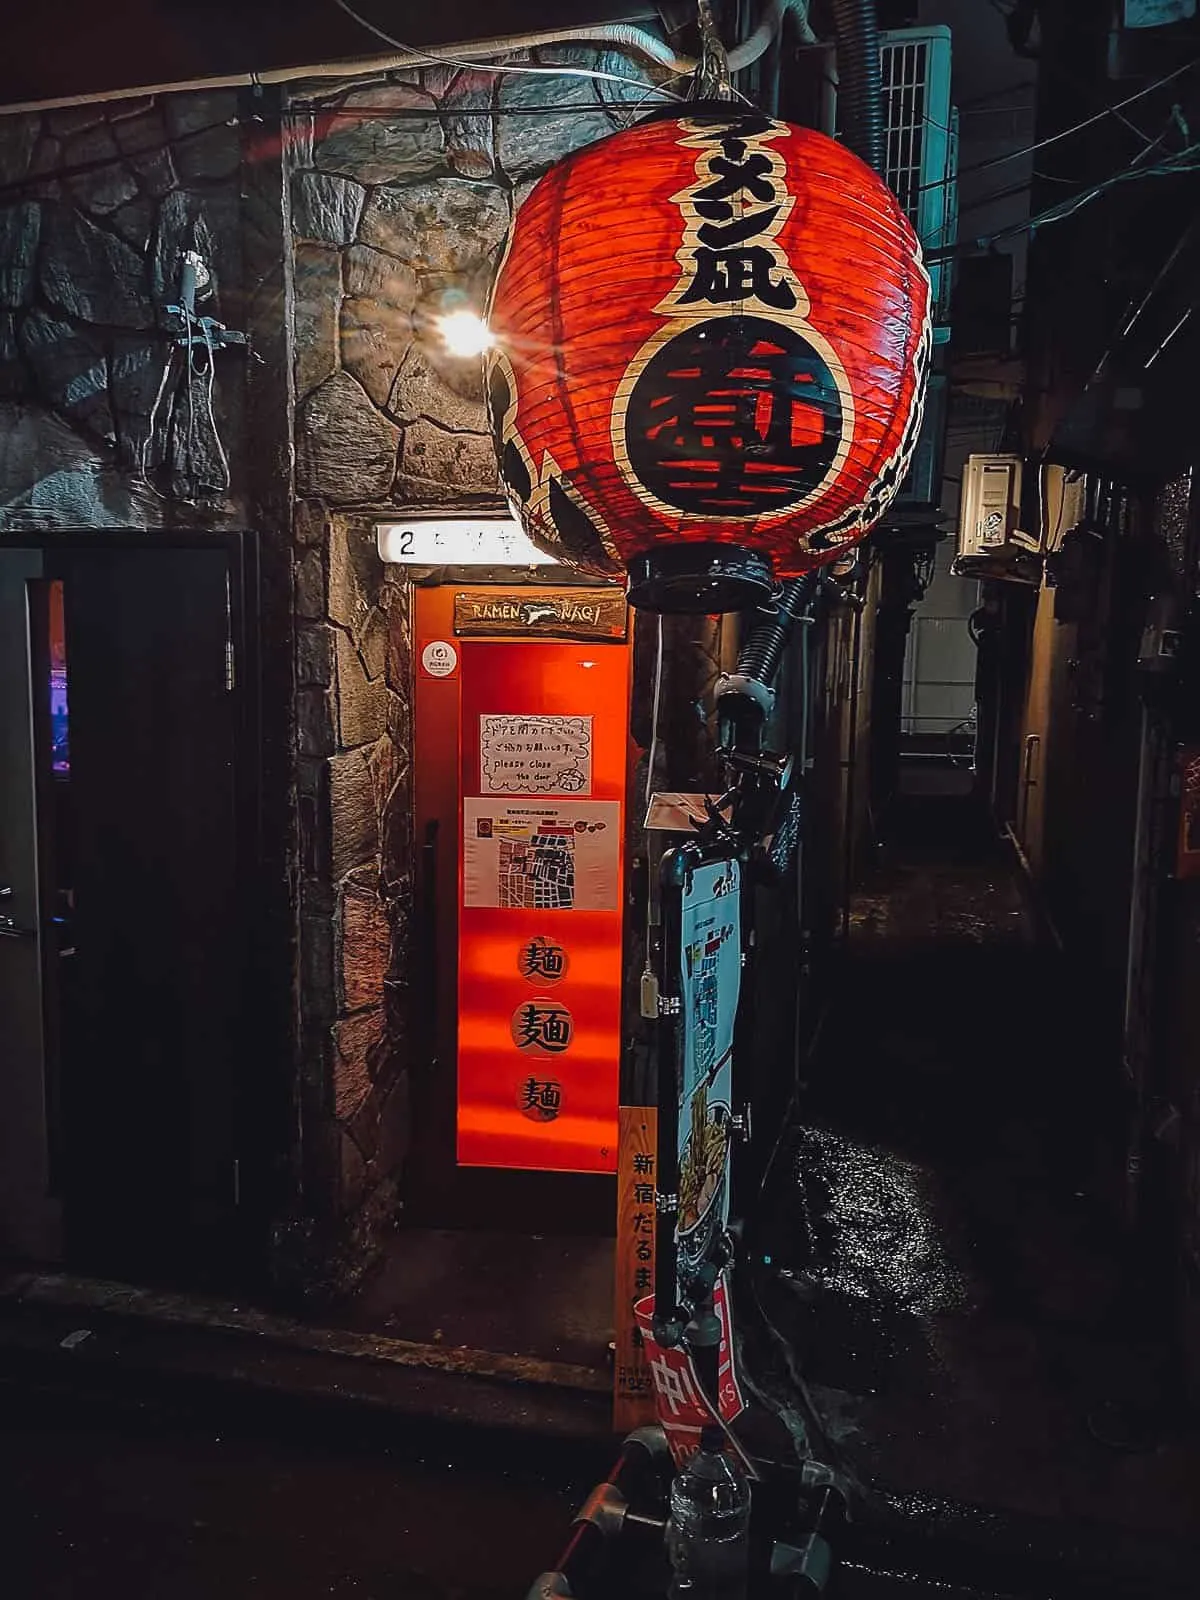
(439, 1193)
(32, 1220)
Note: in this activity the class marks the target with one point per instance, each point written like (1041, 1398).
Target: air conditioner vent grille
(921, 143)
(905, 67)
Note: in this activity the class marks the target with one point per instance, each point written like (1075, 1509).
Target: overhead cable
(1064, 133)
(1173, 166)
(620, 35)
(438, 59)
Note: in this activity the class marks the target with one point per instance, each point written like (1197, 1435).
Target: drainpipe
(860, 79)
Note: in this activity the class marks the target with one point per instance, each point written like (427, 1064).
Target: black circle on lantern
(735, 416)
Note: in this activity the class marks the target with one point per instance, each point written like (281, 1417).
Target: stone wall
(353, 721)
(101, 424)
(402, 192)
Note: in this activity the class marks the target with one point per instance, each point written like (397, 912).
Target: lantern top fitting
(700, 578)
(710, 340)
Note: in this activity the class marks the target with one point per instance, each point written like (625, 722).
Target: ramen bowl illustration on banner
(703, 1176)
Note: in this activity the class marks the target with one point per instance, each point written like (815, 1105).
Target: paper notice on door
(557, 856)
(535, 755)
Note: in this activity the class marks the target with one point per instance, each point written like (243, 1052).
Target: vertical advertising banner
(637, 1190)
(542, 755)
(702, 967)
(710, 975)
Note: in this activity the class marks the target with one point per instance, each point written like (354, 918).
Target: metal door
(122, 948)
(151, 1029)
(30, 1223)
(939, 664)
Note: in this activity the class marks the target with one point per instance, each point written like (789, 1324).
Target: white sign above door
(459, 542)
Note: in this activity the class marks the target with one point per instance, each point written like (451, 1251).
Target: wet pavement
(456, 1288)
(947, 1270)
(151, 1504)
(973, 1346)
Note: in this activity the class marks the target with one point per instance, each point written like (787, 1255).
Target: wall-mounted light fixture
(464, 333)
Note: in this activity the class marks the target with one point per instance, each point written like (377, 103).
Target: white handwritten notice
(535, 755)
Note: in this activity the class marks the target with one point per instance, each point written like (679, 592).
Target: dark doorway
(137, 722)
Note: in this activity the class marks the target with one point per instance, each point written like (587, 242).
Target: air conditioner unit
(990, 511)
(921, 147)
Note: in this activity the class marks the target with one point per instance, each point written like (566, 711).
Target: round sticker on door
(439, 658)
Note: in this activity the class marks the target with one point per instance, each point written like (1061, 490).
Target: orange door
(531, 733)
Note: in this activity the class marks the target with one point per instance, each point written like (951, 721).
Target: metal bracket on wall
(197, 332)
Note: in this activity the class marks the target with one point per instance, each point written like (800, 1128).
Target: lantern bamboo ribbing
(711, 338)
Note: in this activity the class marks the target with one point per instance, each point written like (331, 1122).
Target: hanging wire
(632, 113)
(1166, 169)
(981, 201)
(651, 757)
(1064, 133)
(147, 449)
(490, 66)
(711, 80)
(1131, 318)
(997, 195)
(81, 169)
(658, 675)
(189, 446)
(211, 376)
(1159, 348)
(1173, 166)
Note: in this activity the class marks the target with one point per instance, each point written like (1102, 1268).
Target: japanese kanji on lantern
(710, 341)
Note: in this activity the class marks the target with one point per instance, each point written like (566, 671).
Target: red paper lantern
(711, 339)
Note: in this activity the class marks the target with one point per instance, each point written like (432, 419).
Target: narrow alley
(979, 1347)
(974, 1326)
(600, 800)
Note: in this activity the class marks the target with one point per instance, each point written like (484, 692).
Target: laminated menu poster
(542, 855)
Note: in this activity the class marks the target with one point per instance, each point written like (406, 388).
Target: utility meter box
(991, 508)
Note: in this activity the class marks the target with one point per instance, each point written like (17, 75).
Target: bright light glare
(465, 333)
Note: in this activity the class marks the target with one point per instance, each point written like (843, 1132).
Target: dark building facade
(1086, 682)
(219, 373)
(324, 226)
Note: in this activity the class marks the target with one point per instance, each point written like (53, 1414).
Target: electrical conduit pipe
(620, 35)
